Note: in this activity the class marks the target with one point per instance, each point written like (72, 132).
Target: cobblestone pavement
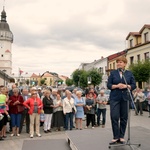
(16, 143)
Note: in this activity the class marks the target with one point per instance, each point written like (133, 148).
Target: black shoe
(114, 142)
(49, 131)
(122, 142)
(46, 131)
(1, 139)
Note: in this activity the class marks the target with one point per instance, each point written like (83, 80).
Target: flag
(20, 71)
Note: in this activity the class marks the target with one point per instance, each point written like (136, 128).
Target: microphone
(121, 70)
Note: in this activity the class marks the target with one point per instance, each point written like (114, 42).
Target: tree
(27, 81)
(79, 78)
(42, 81)
(141, 71)
(69, 82)
(96, 77)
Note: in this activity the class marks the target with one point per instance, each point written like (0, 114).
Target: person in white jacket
(68, 106)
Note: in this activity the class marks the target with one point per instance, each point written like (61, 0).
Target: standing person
(4, 112)
(3, 100)
(118, 99)
(148, 98)
(139, 97)
(48, 111)
(58, 116)
(101, 101)
(25, 114)
(16, 101)
(68, 104)
(79, 103)
(34, 104)
(90, 113)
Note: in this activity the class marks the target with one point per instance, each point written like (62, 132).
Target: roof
(133, 34)
(113, 56)
(47, 75)
(145, 26)
(34, 75)
(7, 51)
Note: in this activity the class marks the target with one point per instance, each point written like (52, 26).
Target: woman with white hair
(68, 105)
(79, 103)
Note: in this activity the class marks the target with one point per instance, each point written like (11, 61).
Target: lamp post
(4, 76)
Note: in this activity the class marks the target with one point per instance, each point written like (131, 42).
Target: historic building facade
(6, 40)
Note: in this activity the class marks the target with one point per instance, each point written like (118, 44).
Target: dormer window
(146, 37)
(131, 43)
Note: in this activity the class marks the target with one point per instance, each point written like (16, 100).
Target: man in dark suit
(118, 99)
(25, 115)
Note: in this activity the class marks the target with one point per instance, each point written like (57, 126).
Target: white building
(100, 64)
(6, 40)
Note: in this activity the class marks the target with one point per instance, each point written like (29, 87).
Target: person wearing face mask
(118, 99)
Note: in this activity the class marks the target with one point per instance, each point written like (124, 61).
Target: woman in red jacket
(34, 104)
(16, 101)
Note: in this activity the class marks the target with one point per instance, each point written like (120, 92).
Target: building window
(146, 37)
(146, 55)
(2, 55)
(110, 66)
(131, 43)
(101, 69)
(137, 41)
(138, 57)
(131, 60)
(114, 65)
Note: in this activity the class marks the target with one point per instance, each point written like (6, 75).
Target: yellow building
(112, 61)
(49, 78)
(35, 79)
(138, 46)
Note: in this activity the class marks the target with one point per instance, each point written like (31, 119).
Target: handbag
(20, 108)
(73, 110)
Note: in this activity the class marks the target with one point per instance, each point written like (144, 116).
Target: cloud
(59, 35)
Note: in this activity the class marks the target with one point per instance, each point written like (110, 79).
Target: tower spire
(3, 14)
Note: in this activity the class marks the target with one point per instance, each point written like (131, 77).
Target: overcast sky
(59, 35)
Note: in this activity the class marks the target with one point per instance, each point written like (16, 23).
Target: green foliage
(141, 70)
(96, 77)
(69, 82)
(42, 81)
(80, 77)
(27, 81)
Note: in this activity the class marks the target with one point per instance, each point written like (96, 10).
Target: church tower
(6, 40)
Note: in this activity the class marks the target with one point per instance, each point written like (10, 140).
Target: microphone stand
(128, 143)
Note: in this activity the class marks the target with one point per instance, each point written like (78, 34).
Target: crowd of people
(51, 109)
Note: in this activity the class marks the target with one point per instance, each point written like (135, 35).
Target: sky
(59, 35)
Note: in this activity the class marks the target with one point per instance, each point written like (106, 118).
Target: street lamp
(4, 76)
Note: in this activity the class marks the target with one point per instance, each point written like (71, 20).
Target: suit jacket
(114, 79)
